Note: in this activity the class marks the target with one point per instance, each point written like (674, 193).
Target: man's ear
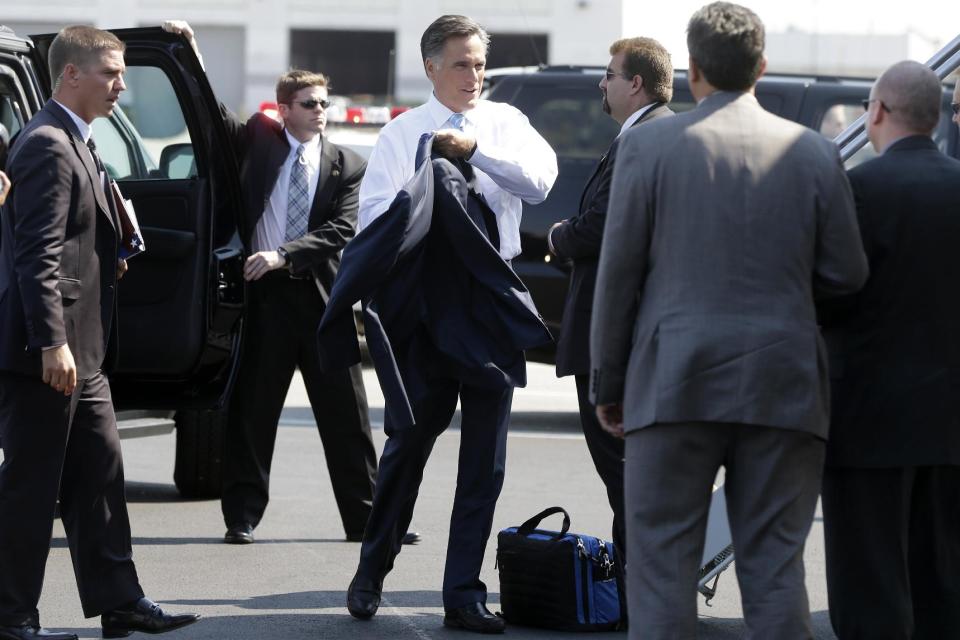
(693, 71)
(763, 67)
(283, 110)
(71, 74)
(430, 68)
(637, 85)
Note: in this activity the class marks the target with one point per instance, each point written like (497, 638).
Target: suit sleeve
(621, 273)
(841, 264)
(331, 236)
(237, 130)
(43, 182)
(581, 236)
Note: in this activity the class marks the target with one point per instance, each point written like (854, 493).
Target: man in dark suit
(58, 274)
(892, 481)
(724, 222)
(300, 209)
(636, 88)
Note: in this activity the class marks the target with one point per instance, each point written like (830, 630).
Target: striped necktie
(457, 121)
(298, 199)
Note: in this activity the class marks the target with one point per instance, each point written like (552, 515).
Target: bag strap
(527, 527)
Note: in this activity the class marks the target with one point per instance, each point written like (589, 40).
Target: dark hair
(296, 79)
(647, 58)
(726, 42)
(79, 45)
(446, 27)
(912, 92)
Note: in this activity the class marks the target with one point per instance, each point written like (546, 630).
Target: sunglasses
(312, 104)
(866, 104)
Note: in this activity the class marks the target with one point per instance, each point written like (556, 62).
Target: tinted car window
(572, 120)
(148, 121)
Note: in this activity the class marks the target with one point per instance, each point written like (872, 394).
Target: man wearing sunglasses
(892, 478)
(635, 89)
(300, 195)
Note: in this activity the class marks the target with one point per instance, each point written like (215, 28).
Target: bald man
(892, 479)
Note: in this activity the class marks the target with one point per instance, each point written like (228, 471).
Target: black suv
(181, 303)
(563, 104)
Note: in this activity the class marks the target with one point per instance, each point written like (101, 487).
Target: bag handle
(527, 527)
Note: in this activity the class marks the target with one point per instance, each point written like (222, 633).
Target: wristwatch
(283, 254)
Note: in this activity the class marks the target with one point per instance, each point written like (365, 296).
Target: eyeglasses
(613, 74)
(956, 108)
(312, 104)
(866, 104)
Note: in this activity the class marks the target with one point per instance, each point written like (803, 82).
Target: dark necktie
(101, 171)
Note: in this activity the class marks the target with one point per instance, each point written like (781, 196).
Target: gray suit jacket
(724, 223)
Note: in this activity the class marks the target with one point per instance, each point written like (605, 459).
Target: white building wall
(578, 31)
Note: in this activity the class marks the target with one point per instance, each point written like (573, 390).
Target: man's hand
(4, 187)
(260, 263)
(611, 418)
(59, 370)
(183, 28)
(452, 143)
(121, 267)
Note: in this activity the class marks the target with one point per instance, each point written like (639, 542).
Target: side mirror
(177, 161)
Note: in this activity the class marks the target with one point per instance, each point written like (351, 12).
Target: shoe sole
(113, 633)
(362, 615)
(456, 624)
(238, 540)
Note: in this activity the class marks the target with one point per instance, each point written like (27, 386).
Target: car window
(570, 118)
(147, 136)
(11, 102)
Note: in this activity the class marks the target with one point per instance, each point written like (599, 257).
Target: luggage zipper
(584, 580)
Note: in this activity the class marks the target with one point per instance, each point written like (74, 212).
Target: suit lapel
(80, 148)
(327, 181)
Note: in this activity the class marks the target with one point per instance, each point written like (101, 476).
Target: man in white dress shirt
(512, 164)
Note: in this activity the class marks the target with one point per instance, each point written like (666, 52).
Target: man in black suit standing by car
(58, 274)
(636, 88)
(892, 481)
(300, 194)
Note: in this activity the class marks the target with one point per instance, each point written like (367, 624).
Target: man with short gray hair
(724, 222)
(510, 164)
(892, 480)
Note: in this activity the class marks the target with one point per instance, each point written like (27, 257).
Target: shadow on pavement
(535, 421)
(61, 543)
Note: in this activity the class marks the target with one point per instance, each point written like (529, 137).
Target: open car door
(852, 141)
(181, 301)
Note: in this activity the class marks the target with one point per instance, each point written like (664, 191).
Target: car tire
(197, 471)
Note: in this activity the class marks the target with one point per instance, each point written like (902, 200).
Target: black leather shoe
(239, 534)
(145, 616)
(410, 537)
(363, 597)
(474, 617)
(28, 632)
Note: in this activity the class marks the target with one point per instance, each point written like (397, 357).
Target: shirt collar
(636, 115)
(439, 113)
(310, 147)
(82, 126)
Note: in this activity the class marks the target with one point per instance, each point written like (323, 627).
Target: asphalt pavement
(291, 584)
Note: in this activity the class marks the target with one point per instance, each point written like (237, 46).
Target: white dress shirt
(512, 163)
(272, 225)
(82, 126)
(636, 115)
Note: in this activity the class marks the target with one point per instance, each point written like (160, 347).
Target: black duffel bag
(555, 579)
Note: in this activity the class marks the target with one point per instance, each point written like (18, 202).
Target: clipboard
(131, 238)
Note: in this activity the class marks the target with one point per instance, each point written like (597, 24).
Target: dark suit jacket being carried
(895, 346)
(579, 240)
(262, 147)
(439, 301)
(58, 255)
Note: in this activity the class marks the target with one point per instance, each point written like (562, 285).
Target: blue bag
(556, 579)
